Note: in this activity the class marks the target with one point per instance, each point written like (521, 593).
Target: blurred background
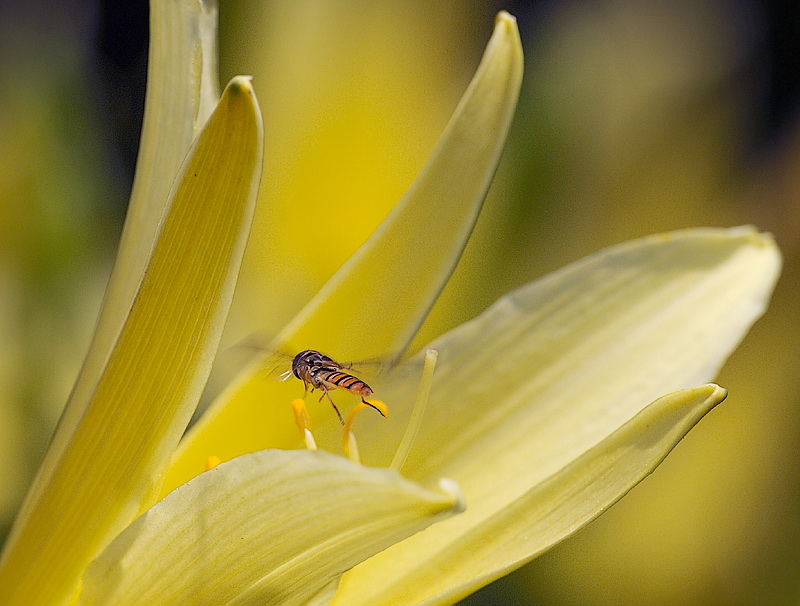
(635, 117)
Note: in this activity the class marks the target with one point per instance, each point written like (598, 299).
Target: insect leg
(325, 393)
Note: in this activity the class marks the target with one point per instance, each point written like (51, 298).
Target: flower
(538, 409)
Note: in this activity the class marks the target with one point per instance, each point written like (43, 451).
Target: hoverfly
(318, 371)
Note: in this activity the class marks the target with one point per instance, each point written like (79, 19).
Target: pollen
(377, 405)
(212, 462)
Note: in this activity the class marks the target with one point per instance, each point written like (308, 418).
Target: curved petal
(181, 93)
(623, 326)
(272, 527)
(427, 229)
(539, 518)
(554, 368)
(403, 267)
(112, 466)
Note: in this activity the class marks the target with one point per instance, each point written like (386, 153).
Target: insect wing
(278, 365)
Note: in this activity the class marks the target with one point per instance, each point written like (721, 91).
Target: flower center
(349, 443)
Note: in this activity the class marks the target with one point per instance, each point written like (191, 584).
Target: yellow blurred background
(635, 117)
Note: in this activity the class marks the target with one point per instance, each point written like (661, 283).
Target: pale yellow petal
(623, 326)
(112, 465)
(402, 268)
(272, 527)
(406, 263)
(536, 519)
(555, 367)
(182, 91)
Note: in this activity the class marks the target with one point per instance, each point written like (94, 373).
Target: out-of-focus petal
(407, 261)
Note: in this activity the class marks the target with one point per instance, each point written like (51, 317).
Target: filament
(303, 422)
(308, 438)
(414, 423)
(351, 447)
(349, 443)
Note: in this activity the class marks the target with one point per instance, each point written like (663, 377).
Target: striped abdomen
(344, 381)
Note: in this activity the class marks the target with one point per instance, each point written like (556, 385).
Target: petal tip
(763, 239)
(241, 84)
(718, 394)
(452, 488)
(504, 18)
(505, 28)
(752, 234)
(506, 44)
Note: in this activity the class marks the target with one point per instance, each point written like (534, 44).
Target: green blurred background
(635, 117)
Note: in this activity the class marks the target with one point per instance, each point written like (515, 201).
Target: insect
(318, 371)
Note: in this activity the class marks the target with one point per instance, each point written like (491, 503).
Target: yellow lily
(539, 408)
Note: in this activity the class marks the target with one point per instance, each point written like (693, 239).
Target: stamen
(349, 443)
(308, 438)
(417, 413)
(303, 422)
(212, 462)
(379, 406)
(351, 447)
